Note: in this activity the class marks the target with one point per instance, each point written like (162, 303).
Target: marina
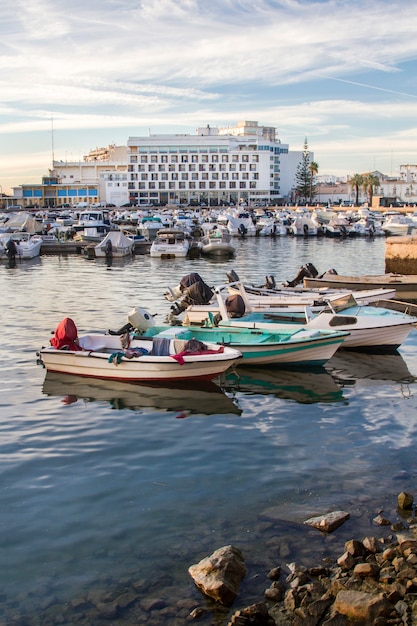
(114, 488)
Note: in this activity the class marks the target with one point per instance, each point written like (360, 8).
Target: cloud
(311, 68)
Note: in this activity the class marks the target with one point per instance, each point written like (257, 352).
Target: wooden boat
(294, 346)
(205, 398)
(170, 243)
(115, 244)
(405, 285)
(102, 356)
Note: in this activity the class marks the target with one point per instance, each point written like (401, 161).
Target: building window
(133, 159)
(235, 158)
(242, 185)
(194, 158)
(212, 185)
(154, 158)
(232, 185)
(202, 185)
(204, 158)
(174, 158)
(143, 158)
(225, 158)
(184, 158)
(245, 158)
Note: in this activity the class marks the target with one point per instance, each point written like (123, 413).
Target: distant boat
(170, 243)
(217, 243)
(20, 245)
(115, 244)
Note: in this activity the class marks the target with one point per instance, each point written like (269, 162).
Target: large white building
(245, 163)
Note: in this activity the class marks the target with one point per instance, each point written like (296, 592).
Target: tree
(356, 182)
(303, 176)
(313, 169)
(370, 182)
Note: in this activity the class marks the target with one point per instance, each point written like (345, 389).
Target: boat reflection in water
(349, 368)
(303, 385)
(203, 398)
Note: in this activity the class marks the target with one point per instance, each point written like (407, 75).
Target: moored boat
(405, 285)
(159, 359)
(217, 243)
(170, 243)
(115, 244)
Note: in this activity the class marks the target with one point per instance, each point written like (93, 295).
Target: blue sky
(341, 74)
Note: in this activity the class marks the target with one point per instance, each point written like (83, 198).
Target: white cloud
(311, 68)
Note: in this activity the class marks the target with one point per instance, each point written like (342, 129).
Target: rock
(346, 561)
(253, 615)
(219, 575)
(274, 573)
(372, 545)
(381, 520)
(366, 570)
(405, 501)
(355, 548)
(361, 606)
(328, 522)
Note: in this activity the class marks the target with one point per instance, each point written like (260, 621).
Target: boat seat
(91, 343)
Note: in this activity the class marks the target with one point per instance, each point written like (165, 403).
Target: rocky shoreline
(371, 580)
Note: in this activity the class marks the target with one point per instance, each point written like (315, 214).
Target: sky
(84, 74)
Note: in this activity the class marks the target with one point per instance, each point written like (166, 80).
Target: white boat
(158, 359)
(240, 224)
(303, 226)
(370, 327)
(115, 244)
(217, 243)
(398, 224)
(20, 245)
(170, 243)
(198, 303)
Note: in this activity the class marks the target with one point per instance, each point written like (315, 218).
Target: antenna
(52, 140)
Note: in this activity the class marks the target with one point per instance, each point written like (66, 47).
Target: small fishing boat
(170, 243)
(115, 244)
(217, 243)
(153, 359)
(295, 346)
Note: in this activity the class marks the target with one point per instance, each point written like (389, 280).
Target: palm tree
(369, 183)
(355, 183)
(313, 169)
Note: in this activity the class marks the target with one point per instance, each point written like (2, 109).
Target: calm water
(106, 483)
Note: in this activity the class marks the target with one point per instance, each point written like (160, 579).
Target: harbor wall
(401, 255)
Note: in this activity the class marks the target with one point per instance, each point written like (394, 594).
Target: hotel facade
(214, 166)
(245, 163)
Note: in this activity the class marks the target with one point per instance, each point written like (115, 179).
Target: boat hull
(265, 348)
(96, 362)
(405, 285)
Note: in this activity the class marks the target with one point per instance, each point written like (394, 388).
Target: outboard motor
(270, 282)
(306, 271)
(11, 249)
(232, 277)
(198, 292)
(332, 272)
(235, 306)
(242, 230)
(138, 319)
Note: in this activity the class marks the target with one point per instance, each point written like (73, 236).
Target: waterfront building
(244, 164)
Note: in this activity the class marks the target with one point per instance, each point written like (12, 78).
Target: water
(110, 486)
